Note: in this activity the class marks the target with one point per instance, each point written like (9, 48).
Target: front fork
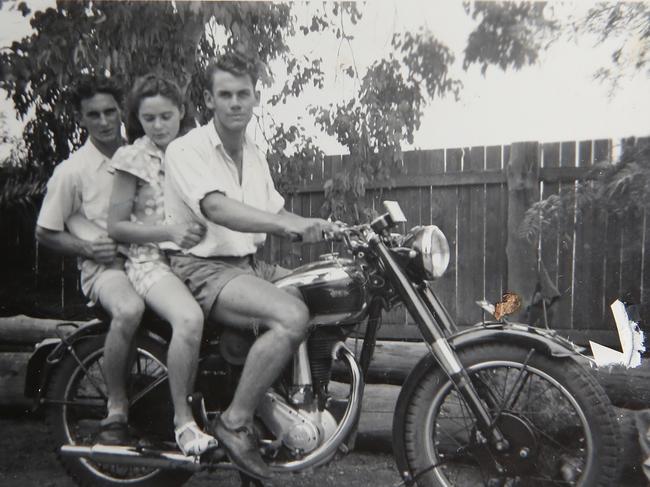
(428, 318)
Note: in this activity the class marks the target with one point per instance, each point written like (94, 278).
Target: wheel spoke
(84, 406)
(522, 392)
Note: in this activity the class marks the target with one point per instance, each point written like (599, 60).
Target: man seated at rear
(216, 175)
(81, 185)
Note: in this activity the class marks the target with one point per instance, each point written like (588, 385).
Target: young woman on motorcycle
(155, 109)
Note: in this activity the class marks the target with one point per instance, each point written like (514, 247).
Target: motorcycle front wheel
(557, 420)
(77, 395)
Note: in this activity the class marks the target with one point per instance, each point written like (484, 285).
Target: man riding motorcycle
(217, 176)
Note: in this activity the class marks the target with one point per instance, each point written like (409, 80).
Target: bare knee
(188, 329)
(293, 320)
(126, 316)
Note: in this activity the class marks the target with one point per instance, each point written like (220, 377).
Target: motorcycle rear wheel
(80, 403)
(556, 417)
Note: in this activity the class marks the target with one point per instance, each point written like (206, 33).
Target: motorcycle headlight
(433, 248)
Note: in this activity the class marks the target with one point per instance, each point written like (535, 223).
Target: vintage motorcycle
(497, 404)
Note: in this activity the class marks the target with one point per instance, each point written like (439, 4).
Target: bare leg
(125, 307)
(248, 302)
(172, 301)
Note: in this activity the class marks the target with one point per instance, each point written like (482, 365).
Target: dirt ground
(27, 460)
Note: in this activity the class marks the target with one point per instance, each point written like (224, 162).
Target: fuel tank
(333, 288)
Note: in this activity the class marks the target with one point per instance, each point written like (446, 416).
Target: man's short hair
(233, 63)
(90, 85)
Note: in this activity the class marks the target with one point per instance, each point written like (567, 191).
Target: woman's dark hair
(147, 86)
(89, 85)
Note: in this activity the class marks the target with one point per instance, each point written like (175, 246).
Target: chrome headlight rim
(433, 247)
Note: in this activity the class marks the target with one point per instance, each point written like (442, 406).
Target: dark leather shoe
(241, 446)
(115, 433)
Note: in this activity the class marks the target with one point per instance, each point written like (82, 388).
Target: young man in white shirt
(216, 176)
(82, 185)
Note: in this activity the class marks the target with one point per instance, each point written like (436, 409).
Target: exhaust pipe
(126, 455)
(326, 451)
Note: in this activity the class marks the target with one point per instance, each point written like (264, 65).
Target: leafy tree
(384, 113)
(123, 40)
(126, 39)
(508, 35)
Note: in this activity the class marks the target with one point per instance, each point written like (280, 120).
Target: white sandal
(200, 442)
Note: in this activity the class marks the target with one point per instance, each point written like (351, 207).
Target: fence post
(522, 174)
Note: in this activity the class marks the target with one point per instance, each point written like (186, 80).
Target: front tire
(557, 419)
(78, 395)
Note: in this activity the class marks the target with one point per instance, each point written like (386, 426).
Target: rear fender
(49, 352)
(543, 341)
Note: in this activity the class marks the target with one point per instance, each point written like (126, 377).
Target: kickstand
(247, 481)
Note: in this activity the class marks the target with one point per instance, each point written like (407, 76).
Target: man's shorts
(207, 276)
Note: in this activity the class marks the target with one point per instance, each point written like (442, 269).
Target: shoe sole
(240, 465)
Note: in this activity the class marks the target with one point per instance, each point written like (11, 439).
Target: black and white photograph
(396, 243)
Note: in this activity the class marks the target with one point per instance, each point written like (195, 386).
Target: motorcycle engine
(299, 430)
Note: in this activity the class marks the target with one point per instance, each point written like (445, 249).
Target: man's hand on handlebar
(310, 230)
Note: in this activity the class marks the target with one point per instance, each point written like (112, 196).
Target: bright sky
(555, 100)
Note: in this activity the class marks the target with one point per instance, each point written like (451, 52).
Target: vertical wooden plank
(602, 150)
(431, 163)
(410, 198)
(73, 302)
(302, 206)
(523, 191)
(550, 238)
(495, 220)
(645, 265)
(614, 235)
(48, 282)
(504, 226)
(447, 201)
(471, 215)
(564, 313)
(586, 289)
(465, 265)
(631, 258)
(600, 311)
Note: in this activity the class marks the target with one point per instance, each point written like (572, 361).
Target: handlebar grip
(296, 237)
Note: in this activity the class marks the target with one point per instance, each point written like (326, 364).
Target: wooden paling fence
(473, 195)
(592, 257)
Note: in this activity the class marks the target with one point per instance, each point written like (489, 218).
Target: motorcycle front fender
(542, 340)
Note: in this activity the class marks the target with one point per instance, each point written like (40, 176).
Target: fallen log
(626, 387)
(26, 330)
(13, 369)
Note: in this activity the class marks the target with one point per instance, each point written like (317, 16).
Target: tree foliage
(508, 35)
(125, 39)
(629, 24)
(385, 113)
(620, 188)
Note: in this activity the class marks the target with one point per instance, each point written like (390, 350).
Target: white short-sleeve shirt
(82, 183)
(197, 165)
